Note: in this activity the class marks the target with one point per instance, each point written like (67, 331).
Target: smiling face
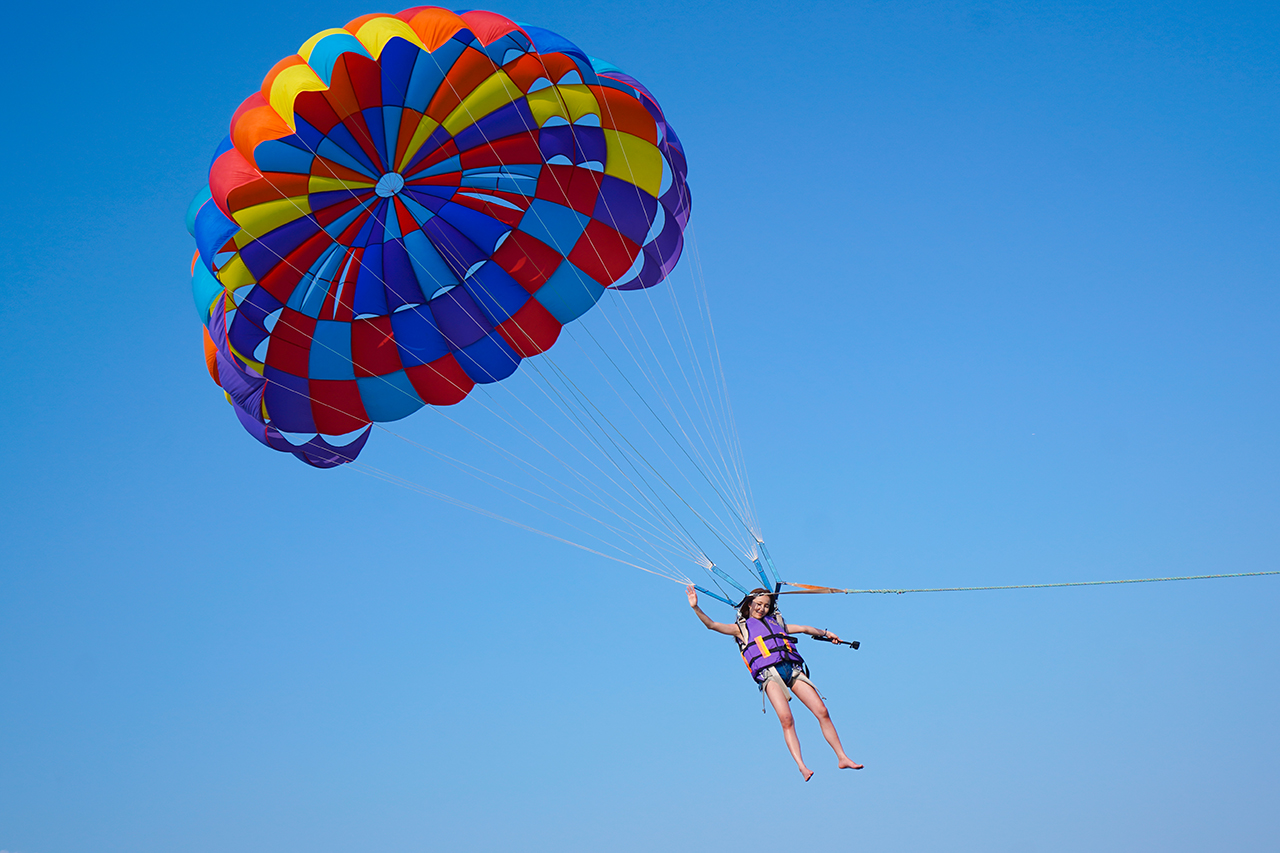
(760, 606)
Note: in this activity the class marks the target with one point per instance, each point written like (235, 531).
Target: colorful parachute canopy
(412, 204)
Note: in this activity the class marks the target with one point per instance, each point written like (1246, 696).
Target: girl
(763, 638)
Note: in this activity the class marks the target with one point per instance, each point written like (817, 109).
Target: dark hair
(744, 609)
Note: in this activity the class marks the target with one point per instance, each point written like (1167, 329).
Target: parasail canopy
(410, 206)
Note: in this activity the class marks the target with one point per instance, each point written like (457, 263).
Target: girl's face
(760, 606)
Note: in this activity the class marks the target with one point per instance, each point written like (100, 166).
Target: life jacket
(767, 645)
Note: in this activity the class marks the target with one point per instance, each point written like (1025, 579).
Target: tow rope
(809, 589)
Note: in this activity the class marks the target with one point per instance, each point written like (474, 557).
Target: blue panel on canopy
(554, 224)
(417, 337)
(212, 229)
(569, 293)
(329, 50)
(388, 398)
(496, 292)
(397, 62)
(545, 41)
(331, 351)
(489, 359)
(276, 155)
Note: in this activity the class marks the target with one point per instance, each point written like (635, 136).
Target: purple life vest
(767, 645)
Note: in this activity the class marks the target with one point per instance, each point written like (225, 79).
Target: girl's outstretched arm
(812, 632)
(720, 627)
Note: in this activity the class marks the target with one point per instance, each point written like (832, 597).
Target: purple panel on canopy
(432, 198)
(650, 274)
(217, 322)
(377, 135)
(674, 151)
(396, 62)
(624, 77)
(678, 206)
(288, 399)
(667, 245)
(496, 292)
(321, 200)
(252, 425)
(242, 387)
(402, 286)
(317, 451)
(244, 335)
(678, 202)
(370, 296)
(628, 210)
(481, 229)
(557, 141)
(258, 305)
(591, 144)
(459, 319)
(512, 119)
(458, 252)
(323, 454)
(271, 248)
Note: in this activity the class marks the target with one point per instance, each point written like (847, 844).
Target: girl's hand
(831, 636)
(693, 595)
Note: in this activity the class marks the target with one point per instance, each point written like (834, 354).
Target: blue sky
(996, 290)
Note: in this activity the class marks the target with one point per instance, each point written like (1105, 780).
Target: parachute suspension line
(565, 379)
(706, 413)
(456, 502)
(713, 595)
(717, 585)
(806, 589)
(717, 414)
(700, 283)
(513, 422)
(725, 420)
(772, 568)
(395, 480)
(722, 384)
(656, 473)
(699, 467)
(641, 365)
(387, 477)
(696, 555)
(642, 399)
(666, 519)
(481, 475)
(721, 487)
(581, 399)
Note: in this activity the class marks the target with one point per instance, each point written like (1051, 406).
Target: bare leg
(778, 696)
(814, 703)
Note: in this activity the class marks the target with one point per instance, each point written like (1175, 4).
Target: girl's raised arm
(712, 625)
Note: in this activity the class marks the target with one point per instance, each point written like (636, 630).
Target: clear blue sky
(997, 290)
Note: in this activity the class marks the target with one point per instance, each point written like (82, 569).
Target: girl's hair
(744, 609)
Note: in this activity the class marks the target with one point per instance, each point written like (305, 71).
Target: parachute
(410, 206)
(413, 206)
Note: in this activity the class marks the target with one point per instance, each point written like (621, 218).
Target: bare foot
(848, 764)
(806, 773)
